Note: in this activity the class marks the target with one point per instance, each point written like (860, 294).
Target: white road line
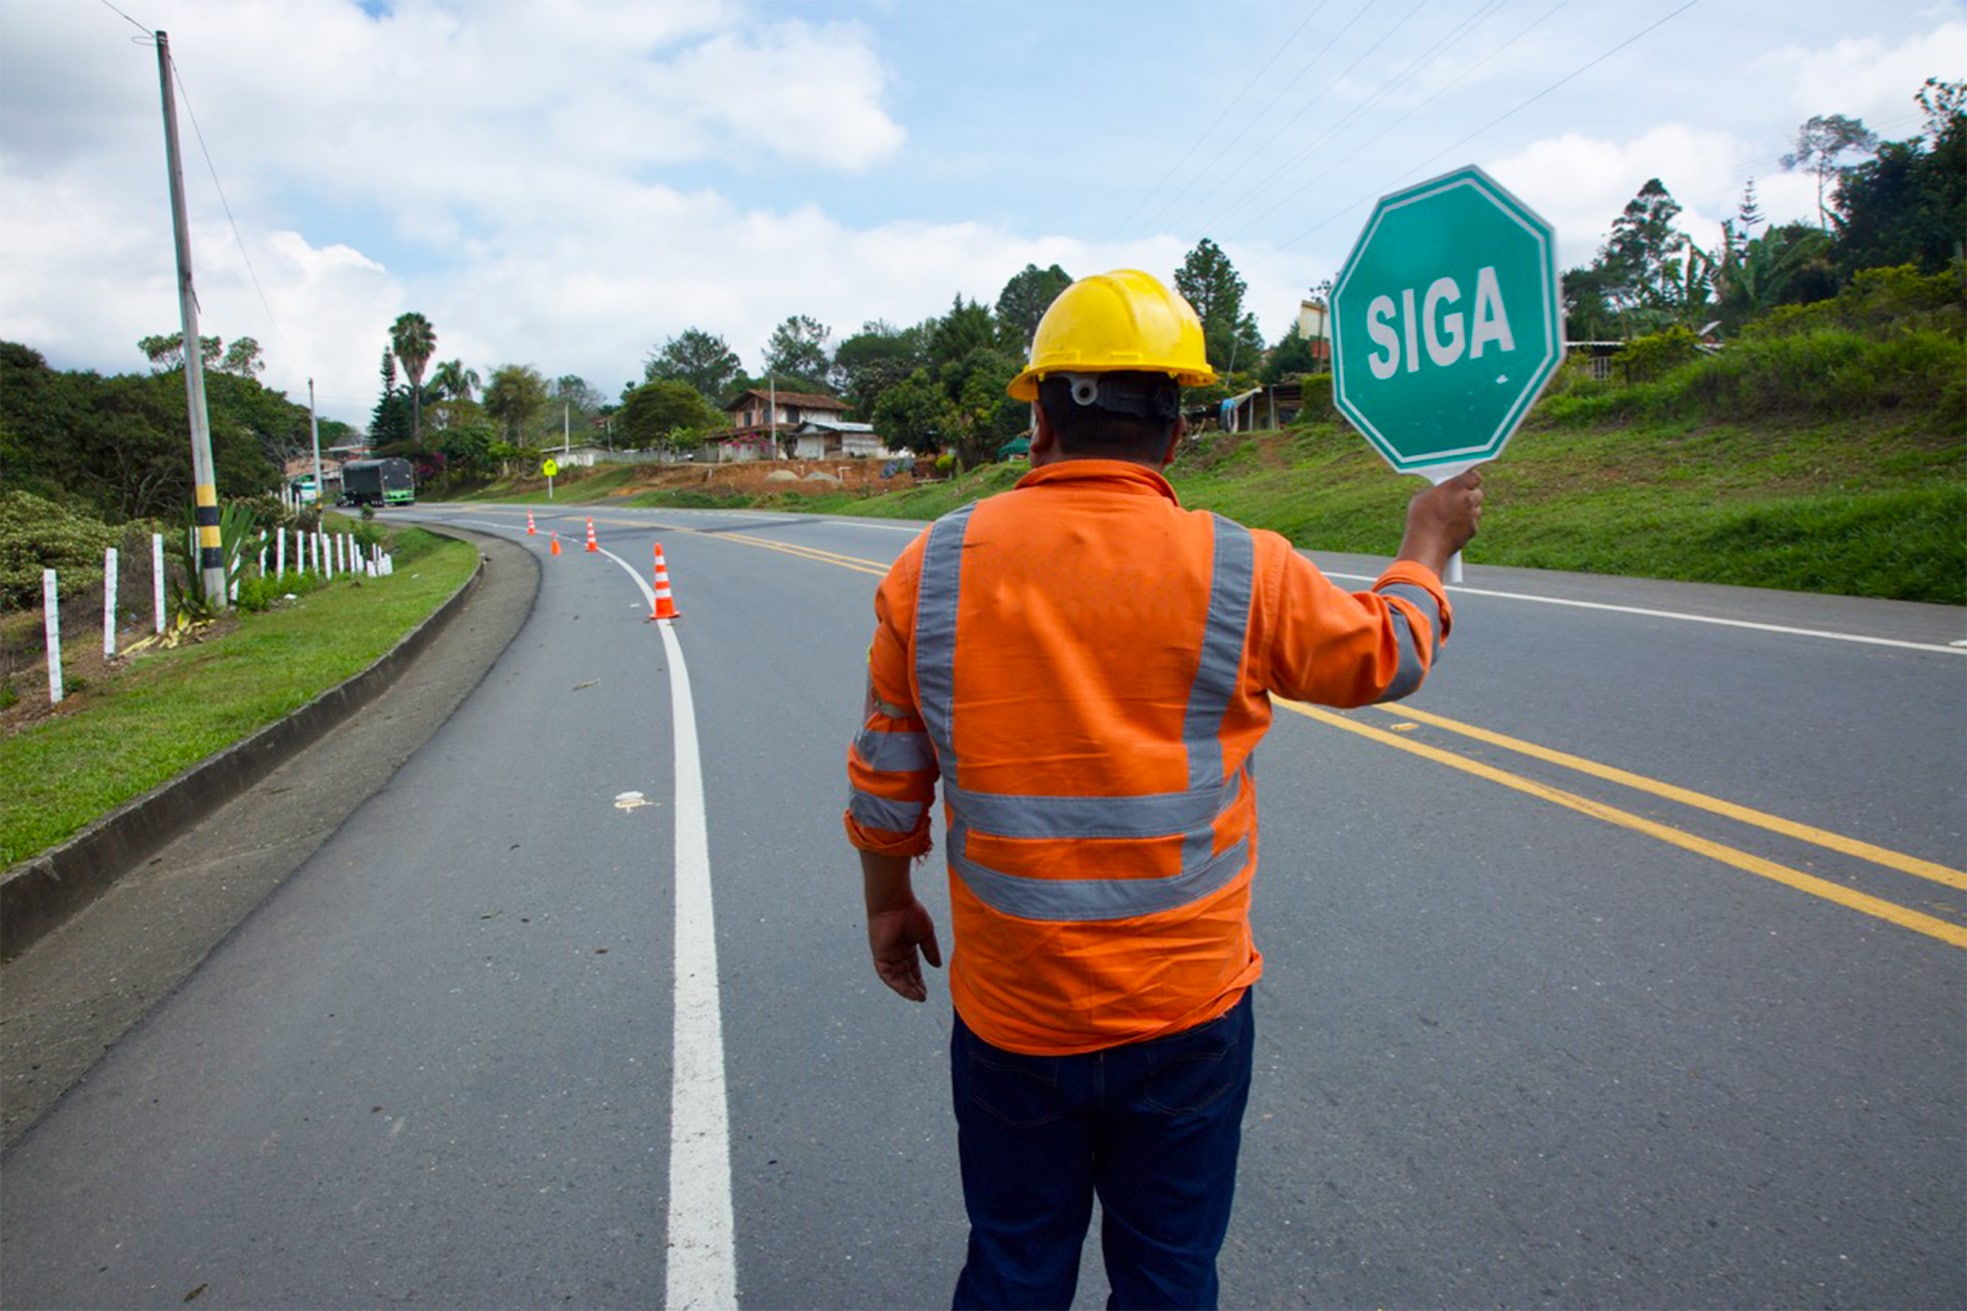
(702, 1256)
(1689, 619)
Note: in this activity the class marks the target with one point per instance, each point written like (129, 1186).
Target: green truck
(378, 482)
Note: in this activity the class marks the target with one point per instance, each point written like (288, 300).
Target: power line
(126, 18)
(1385, 89)
(1242, 91)
(1332, 85)
(178, 76)
(1510, 113)
(1148, 227)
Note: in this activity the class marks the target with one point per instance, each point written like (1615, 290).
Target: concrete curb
(40, 894)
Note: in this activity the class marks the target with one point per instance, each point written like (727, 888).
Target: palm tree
(413, 339)
(452, 379)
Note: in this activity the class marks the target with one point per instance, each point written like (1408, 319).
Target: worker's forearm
(885, 882)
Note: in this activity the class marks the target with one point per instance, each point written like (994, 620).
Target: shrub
(38, 534)
(1649, 358)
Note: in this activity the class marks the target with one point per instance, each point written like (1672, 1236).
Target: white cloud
(1867, 77)
(568, 183)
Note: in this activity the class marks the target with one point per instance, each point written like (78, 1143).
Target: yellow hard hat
(1110, 322)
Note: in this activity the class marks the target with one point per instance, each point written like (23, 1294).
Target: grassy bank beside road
(160, 712)
(1838, 506)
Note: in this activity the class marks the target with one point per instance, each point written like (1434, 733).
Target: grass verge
(164, 712)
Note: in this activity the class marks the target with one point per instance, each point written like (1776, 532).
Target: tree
(166, 353)
(875, 359)
(914, 414)
(981, 415)
(666, 412)
(1292, 356)
(967, 327)
(392, 424)
(1024, 300)
(1592, 303)
(1639, 261)
(1767, 270)
(242, 359)
(413, 340)
(697, 357)
(515, 395)
(453, 380)
(1210, 283)
(1908, 203)
(1749, 213)
(1821, 139)
(798, 347)
(117, 444)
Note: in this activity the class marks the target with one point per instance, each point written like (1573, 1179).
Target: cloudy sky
(569, 183)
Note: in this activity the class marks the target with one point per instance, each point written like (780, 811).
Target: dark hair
(1131, 417)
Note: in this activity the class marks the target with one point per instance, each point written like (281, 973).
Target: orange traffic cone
(530, 530)
(665, 605)
(593, 546)
(556, 543)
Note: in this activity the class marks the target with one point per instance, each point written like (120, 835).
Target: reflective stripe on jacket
(1086, 666)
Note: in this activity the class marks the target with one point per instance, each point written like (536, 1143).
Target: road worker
(1086, 667)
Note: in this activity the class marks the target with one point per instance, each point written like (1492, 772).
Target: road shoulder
(71, 995)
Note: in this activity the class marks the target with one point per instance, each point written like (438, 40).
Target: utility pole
(314, 427)
(211, 556)
(772, 414)
(566, 426)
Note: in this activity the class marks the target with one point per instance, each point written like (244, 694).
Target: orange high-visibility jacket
(1086, 667)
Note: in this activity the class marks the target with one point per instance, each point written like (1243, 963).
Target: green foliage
(1782, 265)
(1023, 302)
(413, 339)
(1821, 139)
(38, 534)
(665, 413)
(914, 415)
(1211, 284)
(697, 357)
(1830, 371)
(1292, 355)
(965, 329)
(515, 395)
(1646, 358)
(117, 445)
(875, 359)
(1878, 302)
(454, 381)
(238, 530)
(798, 347)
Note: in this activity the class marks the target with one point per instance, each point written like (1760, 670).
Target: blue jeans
(1151, 1128)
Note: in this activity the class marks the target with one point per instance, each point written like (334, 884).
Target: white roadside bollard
(51, 623)
(157, 577)
(109, 601)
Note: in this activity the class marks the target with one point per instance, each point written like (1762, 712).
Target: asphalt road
(1625, 966)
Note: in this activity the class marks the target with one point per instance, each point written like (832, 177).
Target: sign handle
(1454, 574)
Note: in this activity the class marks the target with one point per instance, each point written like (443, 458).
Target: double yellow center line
(1903, 916)
(1932, 926)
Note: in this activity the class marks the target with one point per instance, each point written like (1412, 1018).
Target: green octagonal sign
(1446, 323)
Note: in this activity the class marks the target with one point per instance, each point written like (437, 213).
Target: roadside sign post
(1447, 321)
(550, 468)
